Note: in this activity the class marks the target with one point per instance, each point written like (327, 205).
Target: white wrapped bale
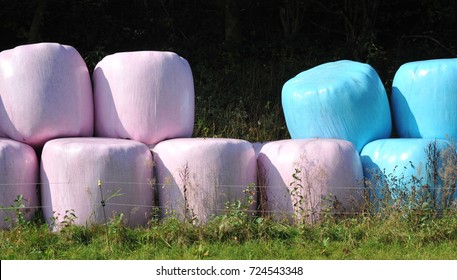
(301, 177)
(424, 99)
(45, 93)
(405, 163)
(72, 167)
(146, 96)
(197, 177)
(342, 99)
(18, 179)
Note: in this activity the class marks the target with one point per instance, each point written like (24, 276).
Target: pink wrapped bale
(72, 167)
(18, 181)
(45, 93)
(198, 177)
(298, 178)
(146, 96)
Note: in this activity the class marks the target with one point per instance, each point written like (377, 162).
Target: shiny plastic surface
(18, 177)
(301, 176)
(342, 99)
(45, 93)
(71, 168)
(424, 99)
(402, 162)
(197, 177)
(146, 96)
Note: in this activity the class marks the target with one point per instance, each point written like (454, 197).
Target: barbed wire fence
(280, 200)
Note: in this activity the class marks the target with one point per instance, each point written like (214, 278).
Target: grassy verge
(370, 237)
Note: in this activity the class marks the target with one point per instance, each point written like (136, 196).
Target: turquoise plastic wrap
(424, 99)
(342, 99)
(403, 164)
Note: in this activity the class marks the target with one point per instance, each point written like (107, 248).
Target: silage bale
(146, 96)
(406, 169)
(424, 99)
(72, 167)
(301, 177)
(45, 93)
(197, 178)
(18, 182)
(342, 99)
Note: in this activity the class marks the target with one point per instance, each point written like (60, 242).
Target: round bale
(45, 93)
(198, 178)
(342, 99)
(301, 177)
(18, 182)
(72, 168)
(146, 96)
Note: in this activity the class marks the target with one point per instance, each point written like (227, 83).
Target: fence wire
(357, 193)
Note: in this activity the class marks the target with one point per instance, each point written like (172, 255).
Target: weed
(446, 191)
(234, 222)
(17, 213)
(184, 174)
(262, 181)
(306, 190)
(414, 199)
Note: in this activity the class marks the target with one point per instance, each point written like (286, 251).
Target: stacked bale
(197, 177)
(424, 106)
(299, 178)
(342, 99)
(424, 99)
(71, 168)
(45, 93)
(18, 182)
(404, 165)
(146, 96)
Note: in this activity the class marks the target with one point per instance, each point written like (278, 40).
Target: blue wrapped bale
(342, 99)
(424, 99)
(404, 165)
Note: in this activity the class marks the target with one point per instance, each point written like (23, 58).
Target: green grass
(371, 237)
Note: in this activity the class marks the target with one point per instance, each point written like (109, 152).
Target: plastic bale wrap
(257, 147)
(407, 169)
(18, 182)
(45, 93)
(71, 169)
(146, 96)
(342, 99)
(424, 99)
(198, 178)
(300, 178)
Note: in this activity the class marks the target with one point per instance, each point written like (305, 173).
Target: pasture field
(397, 235)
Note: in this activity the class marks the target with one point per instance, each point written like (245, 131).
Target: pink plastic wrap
(146, 96)
(297, 178)
(71, 168)
(18, 177)
(45, 93)
(197, 177)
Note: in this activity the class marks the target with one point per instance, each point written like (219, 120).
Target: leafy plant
(17, 212)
